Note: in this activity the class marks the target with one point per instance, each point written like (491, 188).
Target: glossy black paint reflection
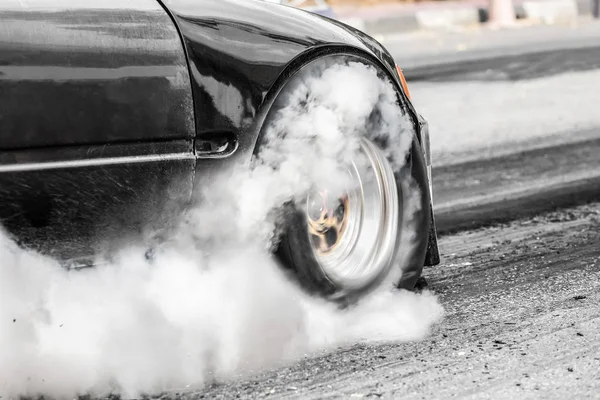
(240, 49)
(96, 124)
(102, 71)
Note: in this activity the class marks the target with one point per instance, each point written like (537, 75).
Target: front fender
(240, 50)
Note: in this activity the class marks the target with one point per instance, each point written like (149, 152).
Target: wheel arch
(420, 125)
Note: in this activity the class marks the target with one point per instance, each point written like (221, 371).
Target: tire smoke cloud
(210, 303)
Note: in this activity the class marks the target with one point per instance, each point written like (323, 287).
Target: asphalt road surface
(523, 321)
(516, 185)
(518, 53)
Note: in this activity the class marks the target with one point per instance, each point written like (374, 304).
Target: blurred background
(511, 92)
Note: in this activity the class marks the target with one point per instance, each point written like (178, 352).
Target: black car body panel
(111, 111)
(239, 49)
(96, 122)
(90, 75)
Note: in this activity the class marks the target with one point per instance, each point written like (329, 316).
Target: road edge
(382, 20)
(501, 207)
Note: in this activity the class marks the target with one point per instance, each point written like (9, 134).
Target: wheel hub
(354, 233)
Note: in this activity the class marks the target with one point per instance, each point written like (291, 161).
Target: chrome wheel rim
(354, 233)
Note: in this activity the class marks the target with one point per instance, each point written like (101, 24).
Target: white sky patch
(485, 118)
(211, 303)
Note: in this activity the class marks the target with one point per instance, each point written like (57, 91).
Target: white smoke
(211, 302)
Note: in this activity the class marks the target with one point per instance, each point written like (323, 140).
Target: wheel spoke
(354, 235)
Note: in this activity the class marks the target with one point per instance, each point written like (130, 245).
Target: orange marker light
(403, 81)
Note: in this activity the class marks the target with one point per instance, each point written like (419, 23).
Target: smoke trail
(210, 302)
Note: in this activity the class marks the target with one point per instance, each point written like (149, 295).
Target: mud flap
(432, 257)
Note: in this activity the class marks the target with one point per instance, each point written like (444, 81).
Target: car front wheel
(342, 245)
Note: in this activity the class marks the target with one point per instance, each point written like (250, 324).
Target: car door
(96, 124)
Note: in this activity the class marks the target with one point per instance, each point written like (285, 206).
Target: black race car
(113, 112)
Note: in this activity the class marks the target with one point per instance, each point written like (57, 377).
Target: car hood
(239, 49)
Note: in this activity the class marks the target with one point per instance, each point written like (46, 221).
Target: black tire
(296, 254)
